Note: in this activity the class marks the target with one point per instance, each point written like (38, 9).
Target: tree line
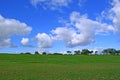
(108, 51)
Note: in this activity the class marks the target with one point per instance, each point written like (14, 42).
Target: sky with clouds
(59, 25)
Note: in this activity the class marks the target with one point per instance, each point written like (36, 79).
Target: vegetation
(69, 52)
(57, 54)
(77, 52)
(111, 51)
(36, 52)
(44, 53)
(86, 52)
(108, 51)
(59, 67)
(27, 53)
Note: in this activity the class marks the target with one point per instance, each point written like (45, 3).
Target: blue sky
(58, 25)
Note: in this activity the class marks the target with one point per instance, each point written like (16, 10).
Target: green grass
(59, 67)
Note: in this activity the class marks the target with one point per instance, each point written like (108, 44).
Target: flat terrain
(59, 67)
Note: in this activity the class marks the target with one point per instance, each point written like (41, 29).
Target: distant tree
(105, 52)
(36, 52)
(96, 52)
(44, 53)
(117, 52)
(21, 53)
(27, 53)
(77, 52)
(112, 51)
(69, 52)
(86, 52)
(109, 51)
(57, 53)
(91, 52)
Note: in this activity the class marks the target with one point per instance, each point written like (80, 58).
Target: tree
(22, 53)
(118, 52)
(57, 53)
(36, 52)
(86, 52)
(91, 52)
(105, 51)
(44, 53)
(69, 52)
(96, 52)
(77, 52)
(109, 51)
(27, 53)
(112, 51)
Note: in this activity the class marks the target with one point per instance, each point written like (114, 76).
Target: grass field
(59, 67)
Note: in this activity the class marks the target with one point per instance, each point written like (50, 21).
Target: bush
(44, 53)
(57, 53)
(27, 53)
(36, 52)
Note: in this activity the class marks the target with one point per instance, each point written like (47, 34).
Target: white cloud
(89, 26)
(25, 42)
(115, 15)
(64, 34)
(112, 15)
(81, 31)
(70, 36)
(51, 4)
(6, 43)
(10, 27)
(44, 40)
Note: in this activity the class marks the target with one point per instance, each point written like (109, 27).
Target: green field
(59, 67)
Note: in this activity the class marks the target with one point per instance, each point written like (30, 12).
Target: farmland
(59, 67)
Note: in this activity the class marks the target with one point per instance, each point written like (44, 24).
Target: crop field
(59, 67)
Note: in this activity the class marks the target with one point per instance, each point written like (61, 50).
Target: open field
(59, 67)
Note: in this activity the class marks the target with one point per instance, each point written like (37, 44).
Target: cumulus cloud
(6, 43)
(10, 27)
(44, 40)
(81, 31)
(25, 42)
(112, 15)
(51, 4)
(88, 28)
(70, 36)
(84, 24)
(64, 34)
(115, 15)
